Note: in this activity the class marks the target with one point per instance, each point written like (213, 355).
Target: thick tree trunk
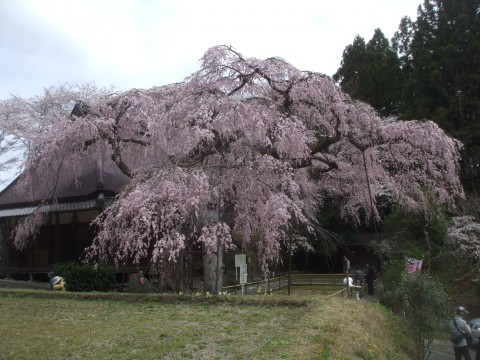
(179, 273)
(426, 264)
(213, 268)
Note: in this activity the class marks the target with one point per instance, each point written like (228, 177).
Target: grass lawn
(42, 325)
(306, 290)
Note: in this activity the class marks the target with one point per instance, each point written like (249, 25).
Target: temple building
(65, 230)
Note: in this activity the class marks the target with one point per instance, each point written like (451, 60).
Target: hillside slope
(169, 326)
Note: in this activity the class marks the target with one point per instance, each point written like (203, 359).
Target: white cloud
(144, 43)
(132, 43)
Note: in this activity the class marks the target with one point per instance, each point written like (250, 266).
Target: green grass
(46, 325)
(304, 290)
(338, 278)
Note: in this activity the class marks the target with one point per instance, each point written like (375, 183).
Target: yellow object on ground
(59, 286)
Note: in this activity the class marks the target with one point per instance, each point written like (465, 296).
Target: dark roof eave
(57, 208)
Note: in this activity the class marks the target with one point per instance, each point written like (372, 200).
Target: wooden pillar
(74, 239)
(6, 246)
(51, 247)
(58, 245)
(179, 272)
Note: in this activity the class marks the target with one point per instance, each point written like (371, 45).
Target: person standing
(358, 281)
(460, 331)
(369, 279)
(477, 357)
(348, 281)
(346, 265)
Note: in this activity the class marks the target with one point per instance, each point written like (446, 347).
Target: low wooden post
(348, 284)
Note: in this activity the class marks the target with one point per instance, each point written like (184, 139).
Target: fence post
(348, 284)
(311, 279)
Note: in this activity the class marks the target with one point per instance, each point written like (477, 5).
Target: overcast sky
(145, 43)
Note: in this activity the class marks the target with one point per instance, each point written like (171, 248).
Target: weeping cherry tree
(242, 145)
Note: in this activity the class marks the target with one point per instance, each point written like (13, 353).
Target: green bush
(85, 278)
(422, 303)
(394, 271)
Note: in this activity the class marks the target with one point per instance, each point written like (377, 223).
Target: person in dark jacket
(477, 357)
(370, 279)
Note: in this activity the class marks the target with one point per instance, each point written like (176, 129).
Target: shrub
(81, 277)
(422, 304)
(393, 273)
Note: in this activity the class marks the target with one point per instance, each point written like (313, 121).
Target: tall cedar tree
(443, 72)
(439, 58)
(371, 73)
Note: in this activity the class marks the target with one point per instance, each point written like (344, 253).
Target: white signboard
(240, 259)
(243, 274)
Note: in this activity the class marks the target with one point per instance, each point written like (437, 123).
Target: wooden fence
(262, 285)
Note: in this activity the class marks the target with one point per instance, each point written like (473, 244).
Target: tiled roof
(17, 212)
(92, 179)
(65, 207)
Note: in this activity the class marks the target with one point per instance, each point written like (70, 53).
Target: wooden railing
(256, 286)
(261, 285)
(29, 272)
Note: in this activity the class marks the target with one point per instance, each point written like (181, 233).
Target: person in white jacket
(460, 331)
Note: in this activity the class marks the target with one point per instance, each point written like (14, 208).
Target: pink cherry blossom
(261, 140)
(465, 236)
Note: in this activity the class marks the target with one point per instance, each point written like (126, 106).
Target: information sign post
(243, 277)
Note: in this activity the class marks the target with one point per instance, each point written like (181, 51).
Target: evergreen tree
(383, 68)
(445, 70)
(371, 73)
(350, 73)
(402, 45)
(438, 56)
(430, 63)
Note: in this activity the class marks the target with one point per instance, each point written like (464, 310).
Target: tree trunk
(429, 248)
(213, 269)
(179, 273)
